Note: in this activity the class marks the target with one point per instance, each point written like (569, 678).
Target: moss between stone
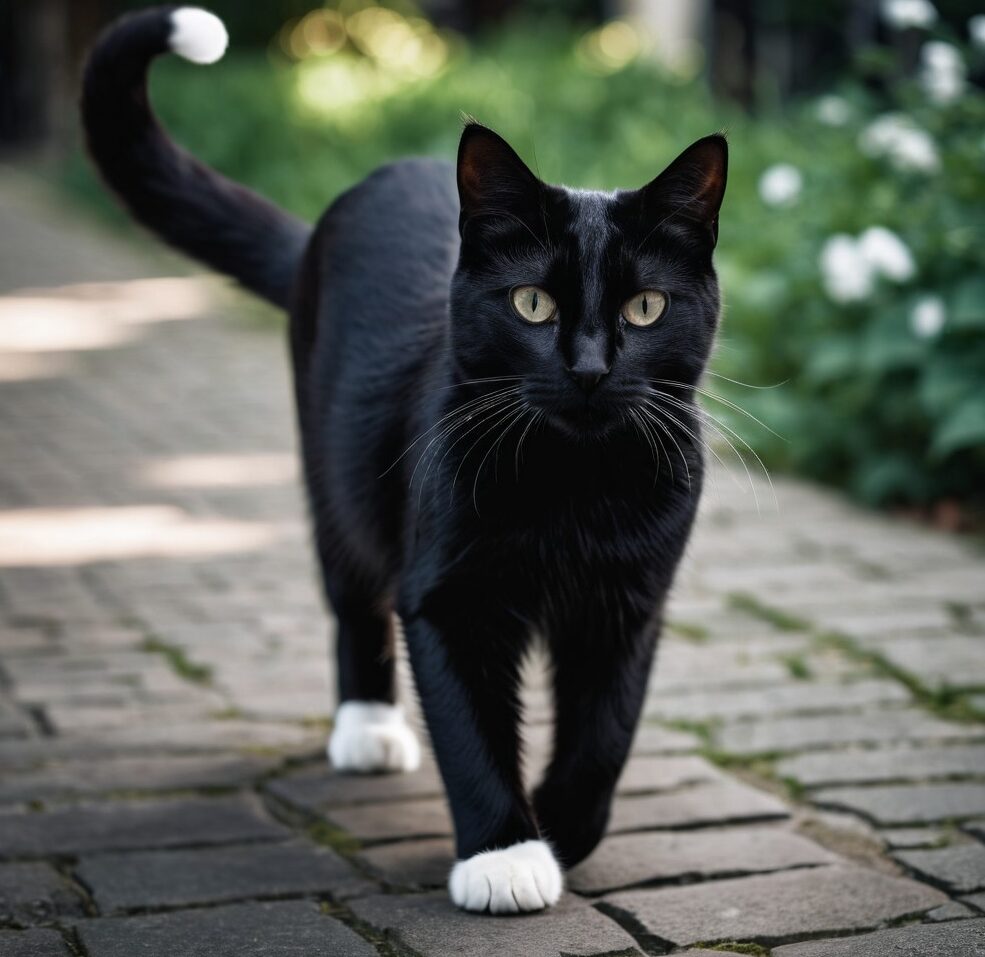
(732, 947)
(328, 835)
(781, 620)
(797, 666)
(180, 663)
(689, 631)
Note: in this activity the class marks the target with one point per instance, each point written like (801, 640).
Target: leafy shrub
(874, 339)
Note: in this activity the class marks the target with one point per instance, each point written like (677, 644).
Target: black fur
(477, 540)
(189, 205)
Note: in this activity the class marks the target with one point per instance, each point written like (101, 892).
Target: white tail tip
(197, 35)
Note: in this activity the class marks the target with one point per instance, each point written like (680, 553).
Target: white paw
(372, 736)
(523, 877)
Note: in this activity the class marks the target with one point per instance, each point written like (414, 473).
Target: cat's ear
(491, 177)
(692, 188)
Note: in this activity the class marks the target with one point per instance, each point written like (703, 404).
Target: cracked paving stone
(412, 863)
(907, 804)
(650, 773)
(959, 938)
(276, 929)
(135, 824)
(627, 859)
(775, 907)
(952, 910)
(33, 893)
(961, 869)
(824, 731)
(907, 838)
(889, 764)
(33, 943)
(431, 924)
(721, 803)
(975, 900)
(149, 879)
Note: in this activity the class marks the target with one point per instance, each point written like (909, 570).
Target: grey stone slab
(776, 907)
(623, 860)
(150, 879)
(318, 788)
(272, 929)
(412, 863)
(36, 942)
(952, 910)
(960, 938)
(645, 773)
(32, 893)
(908, 803)
(884, 764)
(159, 773)
(975, 828)
(399, 819)
(430, 924)
(722, 803)
(790, 697)
(960, 868)
(957, 661)
(975, 900)
(900, 726)
(904, 838)
(652, 739)
(135, 824)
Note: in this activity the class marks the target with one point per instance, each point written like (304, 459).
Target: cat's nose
(587, 376)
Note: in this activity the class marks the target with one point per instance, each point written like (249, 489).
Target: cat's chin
(584, 425)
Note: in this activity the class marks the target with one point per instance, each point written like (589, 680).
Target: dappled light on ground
(219, 471)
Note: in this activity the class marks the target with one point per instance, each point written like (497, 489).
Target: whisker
(516, 416)
(745, 385)
(723, 400)
(503, 414)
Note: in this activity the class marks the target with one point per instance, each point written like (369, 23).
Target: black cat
(495, 393)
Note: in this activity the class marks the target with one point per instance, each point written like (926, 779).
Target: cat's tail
(189, 205)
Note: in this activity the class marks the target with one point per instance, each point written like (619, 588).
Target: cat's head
(589, 299)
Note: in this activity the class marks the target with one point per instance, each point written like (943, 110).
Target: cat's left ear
(491, 177)
(692, 188)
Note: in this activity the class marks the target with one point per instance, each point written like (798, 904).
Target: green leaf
(964, 428)
(968, 305)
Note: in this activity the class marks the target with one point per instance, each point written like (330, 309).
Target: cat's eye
(533, 304)
(645, 308)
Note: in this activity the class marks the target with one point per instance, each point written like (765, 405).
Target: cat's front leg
(465, 654)
(600, 677)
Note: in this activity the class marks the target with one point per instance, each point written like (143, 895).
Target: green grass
(328, 835)
(689, 631)
(797, 666)
(180, 663)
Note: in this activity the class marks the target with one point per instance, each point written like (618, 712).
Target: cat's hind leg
(370, 733)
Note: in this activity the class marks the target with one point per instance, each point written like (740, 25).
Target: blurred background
(851, 252)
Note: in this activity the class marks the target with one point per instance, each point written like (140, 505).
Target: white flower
(887, 254)
(902, 14)
(780, 184)
(846, 275)
(942, 71)
(833, 110)
(906, 145)
(927, 316)
(976, 30)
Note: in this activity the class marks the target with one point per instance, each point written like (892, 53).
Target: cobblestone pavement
(811, 766)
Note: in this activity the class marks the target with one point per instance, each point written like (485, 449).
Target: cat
(495, 392)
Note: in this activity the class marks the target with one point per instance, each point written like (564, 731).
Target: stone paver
(162, 639)
(287, 929)
(118, 826)
(955, 939)
(34, 893)
(775, 907)
(889, 764)
(626, 859)
(33, 943)
(908, 804)
(151, 879)
(430, 924)
(959, 869)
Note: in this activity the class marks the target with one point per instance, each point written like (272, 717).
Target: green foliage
(867, 397)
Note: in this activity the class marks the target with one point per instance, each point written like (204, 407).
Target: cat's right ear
(492, 178)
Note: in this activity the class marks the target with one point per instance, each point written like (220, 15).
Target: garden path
(811, 766)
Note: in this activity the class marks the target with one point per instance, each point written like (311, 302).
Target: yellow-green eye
(533, 304)
(645, 308)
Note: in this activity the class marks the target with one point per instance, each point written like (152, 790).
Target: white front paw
(523, 877)
(372, 736)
